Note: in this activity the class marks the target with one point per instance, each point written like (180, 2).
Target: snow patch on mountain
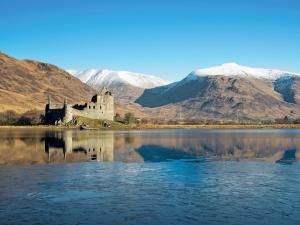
(83, 75)
(106, 77)
(233, 69)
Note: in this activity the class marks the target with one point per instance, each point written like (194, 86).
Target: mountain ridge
(234, 69)
(94, 76)
(126, 86)
(211, 95)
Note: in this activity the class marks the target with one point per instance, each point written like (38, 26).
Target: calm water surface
(150, 177)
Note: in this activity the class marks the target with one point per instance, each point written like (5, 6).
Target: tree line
(31, 117)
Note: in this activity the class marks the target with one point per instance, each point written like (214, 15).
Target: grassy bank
(34, 119)
(212, 127)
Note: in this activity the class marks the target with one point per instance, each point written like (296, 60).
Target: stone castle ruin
(101, 107)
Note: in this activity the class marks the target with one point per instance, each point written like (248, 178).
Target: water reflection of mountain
(155, 153)
(42, 146)
(231, 145)
(289, 156)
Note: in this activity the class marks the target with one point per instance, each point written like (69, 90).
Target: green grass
(92, 123)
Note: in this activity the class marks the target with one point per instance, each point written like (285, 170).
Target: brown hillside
(26, 84)
(223, 98)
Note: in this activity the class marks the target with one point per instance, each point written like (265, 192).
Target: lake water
(149, 177)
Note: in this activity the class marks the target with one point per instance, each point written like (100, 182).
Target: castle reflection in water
(97, 146)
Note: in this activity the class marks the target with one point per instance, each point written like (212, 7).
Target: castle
(100, 107)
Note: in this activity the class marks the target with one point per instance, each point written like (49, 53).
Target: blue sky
(168, 38)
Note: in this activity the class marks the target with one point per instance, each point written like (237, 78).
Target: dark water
(149, 177)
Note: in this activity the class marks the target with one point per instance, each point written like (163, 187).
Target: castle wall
(101, 107)
(54, 114)
(68, 113)
(103, 110)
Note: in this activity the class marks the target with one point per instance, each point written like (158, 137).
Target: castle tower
(68, 115)
(101, 94)
(49, 100)
(48, 106)
(107, 101)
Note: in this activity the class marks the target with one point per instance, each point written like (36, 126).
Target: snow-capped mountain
(124, 84)
(233, 69)
(229, 90)
(84, 75)
(106, 77)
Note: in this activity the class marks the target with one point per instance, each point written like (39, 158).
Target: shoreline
(223, 127)
(166, 127)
